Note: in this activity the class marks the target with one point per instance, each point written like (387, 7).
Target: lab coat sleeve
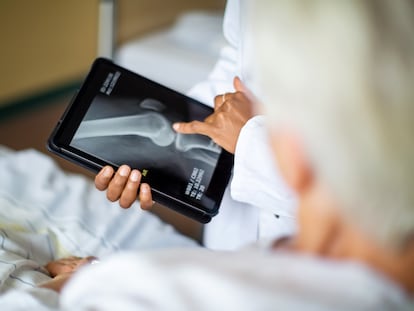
(256, 177)
(220, 79)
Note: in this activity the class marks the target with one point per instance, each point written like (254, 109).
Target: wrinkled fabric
(244, 280)
(47, 214)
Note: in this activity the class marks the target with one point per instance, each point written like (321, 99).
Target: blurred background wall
(46, 44)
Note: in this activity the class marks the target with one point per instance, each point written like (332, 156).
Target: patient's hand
(67, 265)
(62, 269)
(231, 112)
(123, 186)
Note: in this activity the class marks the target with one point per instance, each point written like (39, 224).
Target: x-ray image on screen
(138, 132)
(151, 124)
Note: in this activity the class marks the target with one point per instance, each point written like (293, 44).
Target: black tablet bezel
(59, 143)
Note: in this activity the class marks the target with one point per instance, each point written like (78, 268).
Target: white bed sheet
(47, 214)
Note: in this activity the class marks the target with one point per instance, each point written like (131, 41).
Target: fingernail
(107, 172)
(134, 176)
(176, 126)
(124, 171)
(145, 188)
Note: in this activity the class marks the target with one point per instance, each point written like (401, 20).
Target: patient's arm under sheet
(47, 214)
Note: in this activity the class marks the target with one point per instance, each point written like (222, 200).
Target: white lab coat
(257, 203)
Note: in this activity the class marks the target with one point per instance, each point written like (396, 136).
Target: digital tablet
(119, 117)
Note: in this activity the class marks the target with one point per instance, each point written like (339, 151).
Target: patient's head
(337, 81)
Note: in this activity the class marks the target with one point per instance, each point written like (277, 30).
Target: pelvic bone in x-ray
(154, 126)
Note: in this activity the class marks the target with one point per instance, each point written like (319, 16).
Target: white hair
(341, 74)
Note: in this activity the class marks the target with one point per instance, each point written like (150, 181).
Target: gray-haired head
(341, 74)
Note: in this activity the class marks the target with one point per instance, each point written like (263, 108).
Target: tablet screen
(120, 118)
